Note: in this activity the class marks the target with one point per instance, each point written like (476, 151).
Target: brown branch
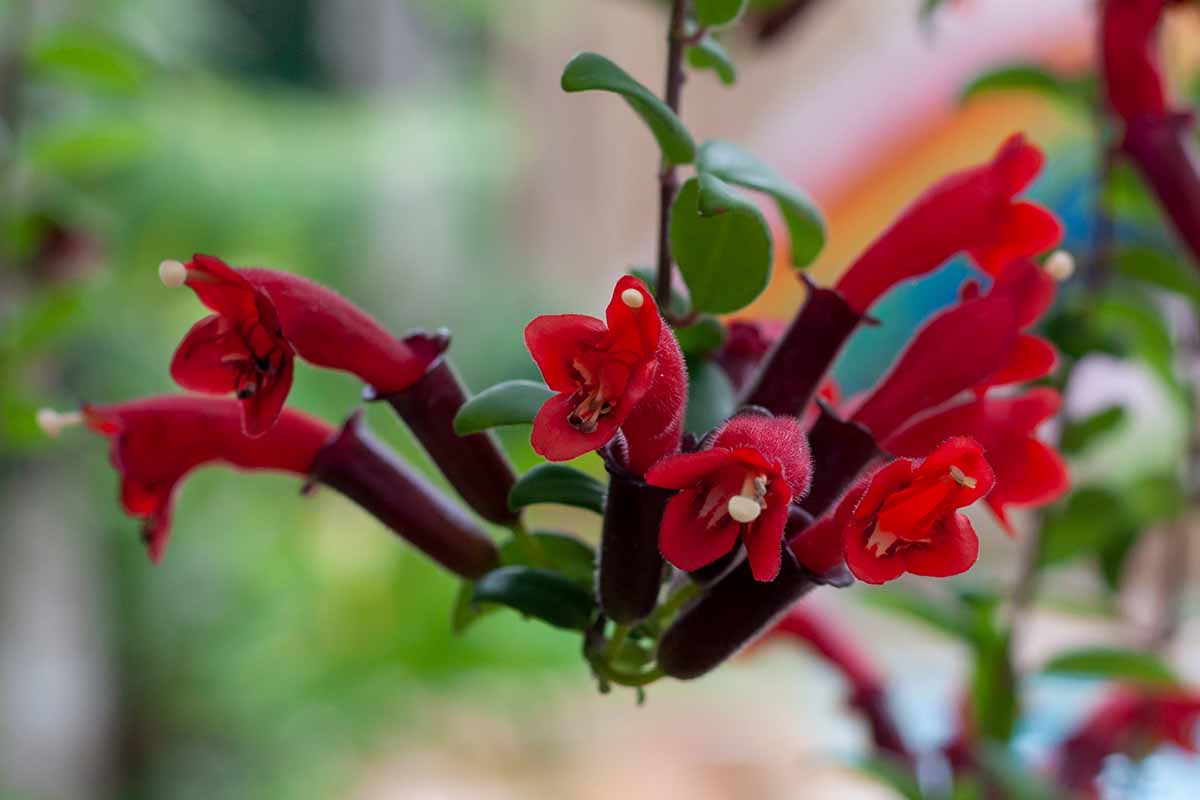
(668, 183)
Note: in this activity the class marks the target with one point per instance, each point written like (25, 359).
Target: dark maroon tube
(729, 616)
(1164, 151)
(631, 568)
(840, 451)
(365, 470)
(792, 372)
(475, 465)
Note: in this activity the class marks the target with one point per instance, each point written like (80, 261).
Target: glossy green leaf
(701, 338)
(592, 71)
(709, 54)
(573, 559)
(87, 58)
(1105, 663)
(731, 163)
(557, 483)
(711, 398)
(1150, 265)
(1142, 331)
(722, 245)
(1090, 518)
(466, 611)
(508, 403)
(538, 593)
(1078, 93)
(1155, 497)
(1078, 434)
(88, 149)
(715, 13)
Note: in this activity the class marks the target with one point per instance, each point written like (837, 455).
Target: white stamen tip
(52, 422)
(743, 509)
(172, 273)
(633, 298)
(962, 479)
(1060, 265)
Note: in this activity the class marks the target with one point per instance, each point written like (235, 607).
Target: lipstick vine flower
(973, 211)
(263, 319)
(625, 371)
(158, 441)
(740, 487)
(904, 517)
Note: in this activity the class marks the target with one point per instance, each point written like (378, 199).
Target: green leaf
(893, 774)
(592, 71)
(508, 403)
(1143, 331)
(573, 559)
(538, 593)
(88, 149)
(940, 615)
(731, 163)
(715, 13)
(722, 245)
(1012, 779)
(1032, 78)
(711, 398)
(994, 687)
(466, 611)
(1156, 497)
(1091, 518)
(709, 54)
(1153, 266)
(1077, 435)
(87, 58)
(700, 338)
(1130, 666)
(557, 483)
(679, 305)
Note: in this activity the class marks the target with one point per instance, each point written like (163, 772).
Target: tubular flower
(739, 488)
(975, 344)
(157, 441)
(904, 518)
(1028, 471)
(623, 371)
(1133, 80)
(262, 320)
(972, 210)
(1131, 721)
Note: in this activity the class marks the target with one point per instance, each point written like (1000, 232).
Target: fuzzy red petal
(554, 339)
(1023, 229)
(654, 423)
(688, 543)
(953, 549)
(866, 566)
(555, 440)
(764, 537)
(681, 471)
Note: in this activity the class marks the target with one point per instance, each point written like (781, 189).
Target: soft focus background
(419, 156)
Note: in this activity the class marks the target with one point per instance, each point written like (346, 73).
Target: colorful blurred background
(419, 156)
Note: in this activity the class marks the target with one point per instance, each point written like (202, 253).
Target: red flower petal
(652, 408)
(874, 489)
(1024, 229)
(819, 547)
(967, 455)
(553, 341)
(867, 566)
(1032, 358)
(261, 409)
(688, 543)
(555, 440)
(210, 357)
(953, 550)
(638, 328)
(764, 537)
(681, 471)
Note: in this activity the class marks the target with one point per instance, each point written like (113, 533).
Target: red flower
(1028, 472)
(1132, 77)
(903, 518)
(975, 344)
(972, 210)
(263, 318)
(626, 373)
(740, 487)
(157, 441)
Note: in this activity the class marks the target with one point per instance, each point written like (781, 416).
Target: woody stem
(667, 180)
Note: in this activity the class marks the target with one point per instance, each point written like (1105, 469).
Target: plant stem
(616, 642)
(667, 180)
(664, 613)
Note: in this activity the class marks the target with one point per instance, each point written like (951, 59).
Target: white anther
(1060, 265)
(962, 479)
(633, 298)
(53, 422)
(743, 509)
(172, 273)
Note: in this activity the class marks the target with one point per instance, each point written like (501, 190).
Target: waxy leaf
(538, 593)
(560, 552)
(557, 483)
(722, 245)
(711, 398)
(1091, 518)
(508, 403)
(1077, 435)
(942, 616)
(589, 71)
(1105, 663)
(1155, 267)
(715, 13)
(709, 54)
(700, 338)
(805, 225)
(1032, 78)
(465, 610)
(89, 59)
